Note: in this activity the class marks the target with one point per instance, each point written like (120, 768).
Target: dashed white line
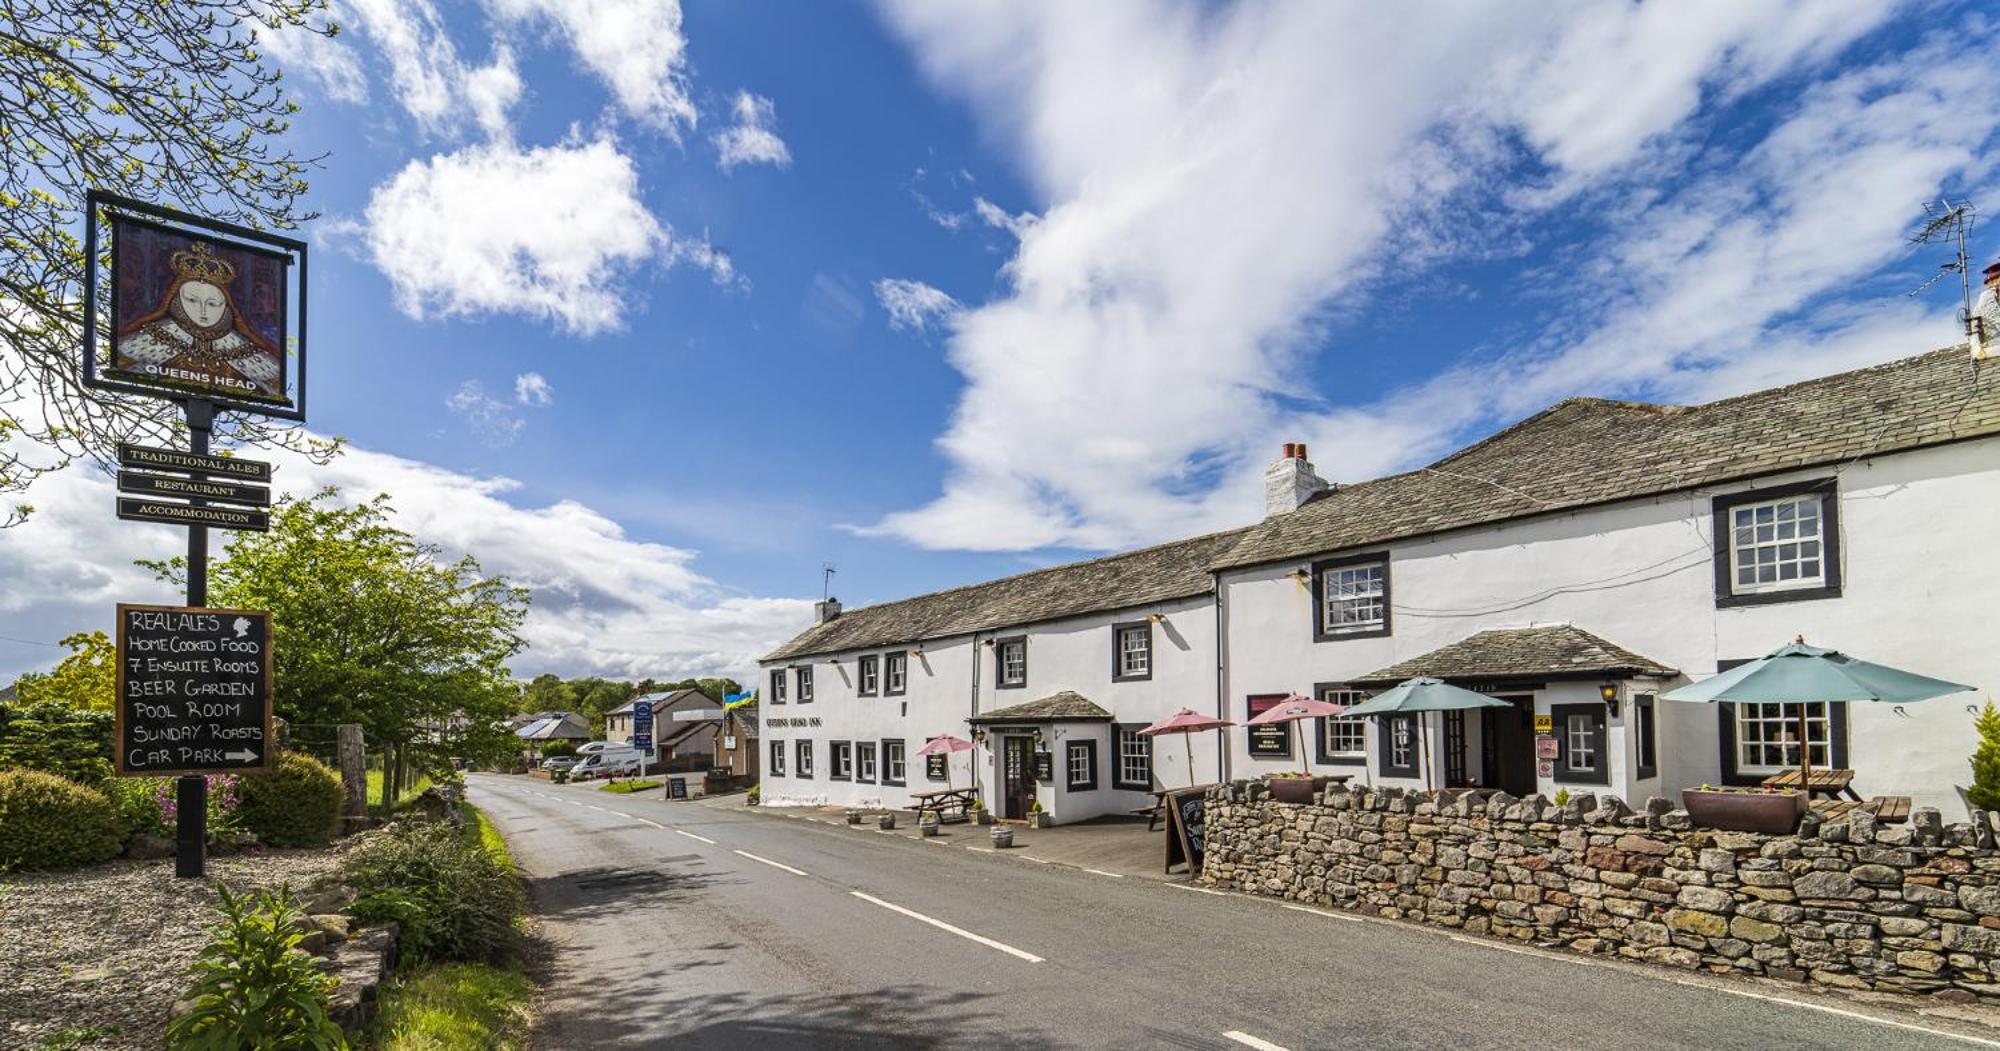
(983, 850)
(773, 864)
(1101, 872)
(594, 806)
(1250, 1041)
(943, 926)
(1323, 912)
(1857, 1015)
(1038, 861)
(643, 821)
(1197, 890)
(691, 835)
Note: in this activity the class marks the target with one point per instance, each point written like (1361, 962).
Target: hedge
(55, 738)
(47, 822)
(297, 804)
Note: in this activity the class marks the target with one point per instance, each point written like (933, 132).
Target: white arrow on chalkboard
(246, 755)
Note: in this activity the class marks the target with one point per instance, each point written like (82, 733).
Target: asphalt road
(689, 926)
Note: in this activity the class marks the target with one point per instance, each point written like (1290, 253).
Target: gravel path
(96, 957)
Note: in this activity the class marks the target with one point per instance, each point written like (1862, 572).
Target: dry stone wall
(1910, 908)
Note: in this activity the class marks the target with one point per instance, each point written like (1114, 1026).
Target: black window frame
(803, 689)
(1830, 543)
(775, 762)
(1600, 719)
(1118, 631)
(1118, 781)
(1089, 745)
(779, 679)
(898, 657)
(1322, 754)
(1250, 711)
(1385, 734)
(864, 666)
(1318, 587)
(1645, 736)
(866, 748)
(1725, 714)
(802, 758)
(1000, 663)
(897, 782)
(835, 752)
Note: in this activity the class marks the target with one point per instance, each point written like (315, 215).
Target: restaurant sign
(1271, 740)
(194, 691)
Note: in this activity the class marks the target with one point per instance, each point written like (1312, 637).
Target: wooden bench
(951, 805)
(1831, 782)
(1893, 810)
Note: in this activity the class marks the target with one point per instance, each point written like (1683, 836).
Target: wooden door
(1018, 774)
(1512, 732)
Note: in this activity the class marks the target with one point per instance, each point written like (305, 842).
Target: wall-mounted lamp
(1609, 691)
(835, 661)
(989, 642)
(1155, 618)
(979, 736)
(1302, 578)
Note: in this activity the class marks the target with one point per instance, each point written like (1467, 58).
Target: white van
(614, 761)
(593, 747)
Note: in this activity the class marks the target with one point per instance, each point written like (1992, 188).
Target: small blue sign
(642, 725)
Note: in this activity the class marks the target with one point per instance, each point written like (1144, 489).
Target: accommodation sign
(194, 690)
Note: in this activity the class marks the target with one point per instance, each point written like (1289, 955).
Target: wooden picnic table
(1893, 810)
(949, 804)
(1830, 782)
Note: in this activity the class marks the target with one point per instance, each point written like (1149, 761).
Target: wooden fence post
(353, 778)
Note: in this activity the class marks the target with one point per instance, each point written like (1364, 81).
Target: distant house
(553, 726)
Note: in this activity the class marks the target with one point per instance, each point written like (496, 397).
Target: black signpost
(212, 315)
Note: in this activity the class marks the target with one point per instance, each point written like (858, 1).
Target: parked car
(561, 762)
(616, 761)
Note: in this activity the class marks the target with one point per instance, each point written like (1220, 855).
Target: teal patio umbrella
(1801, 674)
(1420, 695)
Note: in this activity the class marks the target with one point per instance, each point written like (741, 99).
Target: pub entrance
(1017, 776)
(1508, 736)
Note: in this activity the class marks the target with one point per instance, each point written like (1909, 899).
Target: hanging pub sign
(199, 308)
(194, 691)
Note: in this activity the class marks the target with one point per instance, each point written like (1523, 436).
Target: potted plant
(980, 813)
(1771, 811)
(1003, 837)
(927, 823)
(1038, 817)
(853, 815)
(886, 821)
(1294, 786)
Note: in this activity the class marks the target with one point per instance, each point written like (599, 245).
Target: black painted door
(1017, 767)
(1513, 753)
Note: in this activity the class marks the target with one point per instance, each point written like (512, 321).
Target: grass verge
(410, 791)
(626, 788)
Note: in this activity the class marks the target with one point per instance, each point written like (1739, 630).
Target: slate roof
(1135, 578)
(1553, 652)
(1066, 706)
(1587, 451)
(670, 697)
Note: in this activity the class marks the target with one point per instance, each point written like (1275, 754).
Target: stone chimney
(1983, 327)
(1291, 481)
(826, 609)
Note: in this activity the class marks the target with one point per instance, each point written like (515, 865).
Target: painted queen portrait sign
(196, 313)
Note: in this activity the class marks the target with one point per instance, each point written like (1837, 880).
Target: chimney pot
(1291, 481)
(826, 609)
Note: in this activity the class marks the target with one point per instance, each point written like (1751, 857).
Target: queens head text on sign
(194, 690)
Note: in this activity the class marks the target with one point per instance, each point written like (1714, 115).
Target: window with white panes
(864, 761)
(894, 763)
(805, 685)
(1767, 736)
(1341, 738)
(1354, 598)
(1402, 743)
(1581, 754)
(1778, 544)
(1135, 651)
(778, 677)
(1135, 759)
(868, 675)
(1080, 763)
(777, 764)
(1013, 661)
(804, 767)
(895, 673)
(843, 761)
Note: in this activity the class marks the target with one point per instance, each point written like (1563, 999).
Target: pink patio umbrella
(1291, 710)
(1186, 722)
(944, 745)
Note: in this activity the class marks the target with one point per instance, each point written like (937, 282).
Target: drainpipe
(977, 781)
(1221, 686)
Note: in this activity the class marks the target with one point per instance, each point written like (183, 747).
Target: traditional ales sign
(194, 690)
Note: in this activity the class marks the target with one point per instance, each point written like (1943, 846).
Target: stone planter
(1772, 813)
(984, 817)
(854, 817)
(885, 821)
(1295, 789)
(1038, 819)
(1003, 837)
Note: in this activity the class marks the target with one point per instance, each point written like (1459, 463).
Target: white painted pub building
(1577, 564)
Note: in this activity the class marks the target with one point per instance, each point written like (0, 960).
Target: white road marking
(1323, 912)
(943, 926)
(691, 835)
(773, 864)
(1037, 861)
(594, 806)
(1250, 1041)
(983, 850)
(1101, 872)
(1198, 890)
(655, 824)
(1841, 1012)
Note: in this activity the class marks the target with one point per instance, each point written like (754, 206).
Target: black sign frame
(293, 252)
(1045, 766)
(169, 512)
(180, 461)
(267, 746)
(1267, 740)
(172, 487)
(1187, 844)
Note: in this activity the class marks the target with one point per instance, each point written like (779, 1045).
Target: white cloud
(493, 420)
(327, 60)
(1215, 181)
(913, 305)
(635, 46)
(435, 86)
(995, 216)
(750, 140)
(531, 389)
(547, 232)
(604, 602)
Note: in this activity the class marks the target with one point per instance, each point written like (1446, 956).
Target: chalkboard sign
(194, 691)
(1045, 766)
(1186, 827)
(1272, 740)
(934, 767)
(677, 788)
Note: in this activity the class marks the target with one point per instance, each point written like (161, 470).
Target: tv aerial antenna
(826, 572)
(1948, 222)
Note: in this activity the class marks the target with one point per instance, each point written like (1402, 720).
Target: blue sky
(658, 309)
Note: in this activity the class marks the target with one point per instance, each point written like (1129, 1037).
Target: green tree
(162, 102)
(1985, 791)
(373, 626)
(87, 678)
(547, 693)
